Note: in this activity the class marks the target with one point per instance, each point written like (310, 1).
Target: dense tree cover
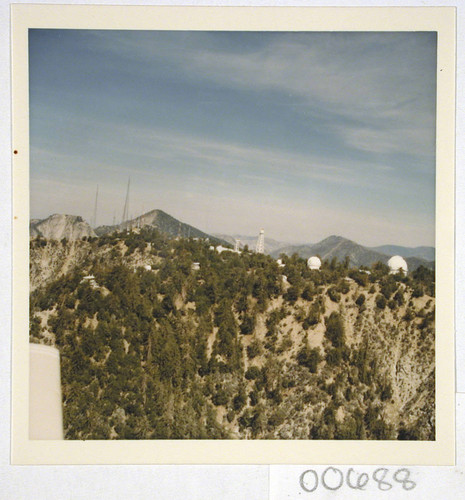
(227, 351)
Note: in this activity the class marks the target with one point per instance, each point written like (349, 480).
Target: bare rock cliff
(59, 226)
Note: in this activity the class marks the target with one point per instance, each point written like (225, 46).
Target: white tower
(237, 244)
(260, 248)
(126, 204)
(94, 220)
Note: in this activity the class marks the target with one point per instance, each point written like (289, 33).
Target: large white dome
(314, 263)
(396, 264)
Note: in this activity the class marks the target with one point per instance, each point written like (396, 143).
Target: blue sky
(303, 134)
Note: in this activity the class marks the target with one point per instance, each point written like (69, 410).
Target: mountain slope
(154, 349)
(59, 226)
(164, 223)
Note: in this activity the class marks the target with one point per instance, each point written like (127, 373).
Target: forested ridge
(234, 349)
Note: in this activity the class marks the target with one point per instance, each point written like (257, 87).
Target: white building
(280, 263)
(397, 264)
(314, 263)
(221, 249)
(91, 280)
(195, 266)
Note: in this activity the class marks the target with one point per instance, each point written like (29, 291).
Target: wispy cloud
(376, 81)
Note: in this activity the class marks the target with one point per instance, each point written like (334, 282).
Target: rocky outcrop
(59, 226)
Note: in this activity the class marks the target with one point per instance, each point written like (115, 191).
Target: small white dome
(396, 264)
(314, 263)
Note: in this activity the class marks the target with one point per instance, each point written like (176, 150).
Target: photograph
(232, 234)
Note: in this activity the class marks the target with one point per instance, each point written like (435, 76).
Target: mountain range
(427, 253)
(340, 248)
(73, 227)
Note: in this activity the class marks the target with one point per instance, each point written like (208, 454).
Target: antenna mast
(126, 204)
(94, 220)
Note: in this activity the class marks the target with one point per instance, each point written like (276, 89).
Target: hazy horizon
(304, 134)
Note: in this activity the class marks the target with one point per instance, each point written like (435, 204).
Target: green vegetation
(230, 350)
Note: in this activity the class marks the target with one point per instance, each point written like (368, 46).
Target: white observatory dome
(396, 264)
(314, 263)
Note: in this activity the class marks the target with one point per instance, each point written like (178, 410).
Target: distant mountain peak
(334, 239)
(163, 222)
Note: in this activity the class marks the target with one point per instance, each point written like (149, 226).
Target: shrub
(308, 292)
(248, 325)
(334, 357)
(220, 398)
(335, 329)
(333, 294)
(239, 401)
(254, 397)
(399, 297)
(360, 300)
(409, 315)
(254, 349)
(277, 418)
(309, 358)
(252, 373)
(388, 287)
(292, 294)
(380, 301)
(343, 287)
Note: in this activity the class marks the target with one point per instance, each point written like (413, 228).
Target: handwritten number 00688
(310, 480)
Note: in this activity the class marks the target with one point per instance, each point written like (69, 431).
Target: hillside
(152, 349)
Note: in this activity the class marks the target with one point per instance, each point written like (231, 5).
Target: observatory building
(397, 264)
(314, 263)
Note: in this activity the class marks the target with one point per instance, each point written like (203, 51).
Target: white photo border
(439, 19)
